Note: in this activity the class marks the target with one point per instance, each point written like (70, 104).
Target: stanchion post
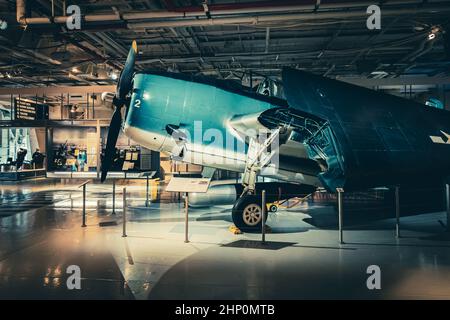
(186, 218)
(84, 206)
(114, 197)
(147, 191)
(397, 212)
(447, 196)
(124, 215)
(263, 215)
(340, 191)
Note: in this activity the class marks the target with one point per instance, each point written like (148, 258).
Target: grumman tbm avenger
(325, 133)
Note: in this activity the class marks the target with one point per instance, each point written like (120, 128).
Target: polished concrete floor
(41, 235)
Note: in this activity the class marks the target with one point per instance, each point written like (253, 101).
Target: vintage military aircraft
(330, 134)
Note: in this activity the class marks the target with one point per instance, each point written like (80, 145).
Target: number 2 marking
(137, 103)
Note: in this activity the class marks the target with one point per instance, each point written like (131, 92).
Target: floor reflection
(41, 236)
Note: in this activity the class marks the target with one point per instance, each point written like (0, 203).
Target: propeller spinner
(123, 88)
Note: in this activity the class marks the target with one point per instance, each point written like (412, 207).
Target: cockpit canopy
(272, 88)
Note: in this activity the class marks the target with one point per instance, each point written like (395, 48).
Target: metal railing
(83, 185)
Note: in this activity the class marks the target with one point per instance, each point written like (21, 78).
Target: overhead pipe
(199, 12)
(259, 19)
(196, 12)
(276, 6)
(147, 15)
(263, 6)
(244, 5)
(21, 17)
(20, 11)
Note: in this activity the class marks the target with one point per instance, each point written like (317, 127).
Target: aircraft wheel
(247, 213)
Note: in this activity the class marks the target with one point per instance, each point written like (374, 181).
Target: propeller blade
(113, 134)
(122, 89)
(124, 85)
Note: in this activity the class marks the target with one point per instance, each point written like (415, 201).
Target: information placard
(181, 184)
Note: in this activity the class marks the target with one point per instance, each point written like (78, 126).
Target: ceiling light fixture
(113, 75)
(433, 33)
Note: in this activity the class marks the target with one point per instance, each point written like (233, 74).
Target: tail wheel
(247, 213)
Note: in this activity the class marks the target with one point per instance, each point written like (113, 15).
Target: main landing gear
(247, 213)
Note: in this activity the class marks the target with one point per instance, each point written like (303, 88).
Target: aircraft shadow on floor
(256, 244)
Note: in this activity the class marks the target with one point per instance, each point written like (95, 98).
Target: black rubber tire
(238, 210)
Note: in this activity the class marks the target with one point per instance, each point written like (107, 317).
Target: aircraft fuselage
(201, 108)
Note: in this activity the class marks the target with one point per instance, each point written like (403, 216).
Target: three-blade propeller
(120, 99)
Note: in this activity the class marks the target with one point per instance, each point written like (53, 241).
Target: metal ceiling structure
(223, 38)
